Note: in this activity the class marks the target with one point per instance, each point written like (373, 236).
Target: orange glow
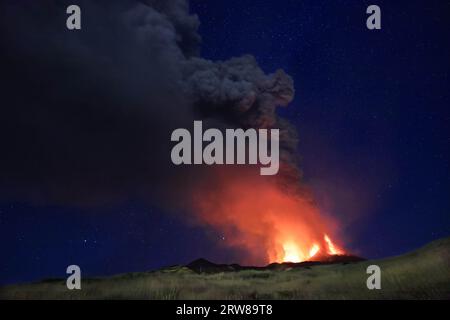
(315, 248)
(264, 222)
(331, 247)
(292, 253)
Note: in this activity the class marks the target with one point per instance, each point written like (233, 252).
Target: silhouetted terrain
(421, 274)
(204, 266)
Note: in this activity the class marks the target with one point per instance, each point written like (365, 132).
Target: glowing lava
(264, 221)
(331, 247)
(315, 248)
(292, 253)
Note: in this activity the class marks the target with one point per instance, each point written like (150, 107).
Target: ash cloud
(86, 116)
(237, 93)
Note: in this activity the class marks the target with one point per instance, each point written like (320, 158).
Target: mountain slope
(205, 266)
(421, 274)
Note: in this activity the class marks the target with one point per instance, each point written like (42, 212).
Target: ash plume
(86, 115)
(86, 119)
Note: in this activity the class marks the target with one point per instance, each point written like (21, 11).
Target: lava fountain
(264, 220)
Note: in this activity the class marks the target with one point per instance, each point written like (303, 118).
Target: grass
(422, 274)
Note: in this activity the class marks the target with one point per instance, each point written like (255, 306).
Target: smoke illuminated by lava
(271, 219)
(269, 223)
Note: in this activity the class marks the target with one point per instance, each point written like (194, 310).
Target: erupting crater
(266, 221)
(293, 253)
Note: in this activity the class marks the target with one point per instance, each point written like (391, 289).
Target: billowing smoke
(86, 118)
(237, 93)
(86, 115)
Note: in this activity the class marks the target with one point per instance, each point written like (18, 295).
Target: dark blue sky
(372, 111)
(372, 107)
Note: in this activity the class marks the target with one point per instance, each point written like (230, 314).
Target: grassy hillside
(422, 274)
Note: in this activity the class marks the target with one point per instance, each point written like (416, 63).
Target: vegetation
(422, 274)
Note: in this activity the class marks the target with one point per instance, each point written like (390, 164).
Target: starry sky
(372, 112)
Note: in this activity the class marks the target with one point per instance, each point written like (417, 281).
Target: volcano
(421, 274)
(205, 266)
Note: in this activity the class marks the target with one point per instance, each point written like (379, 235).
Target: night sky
(372, 112)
